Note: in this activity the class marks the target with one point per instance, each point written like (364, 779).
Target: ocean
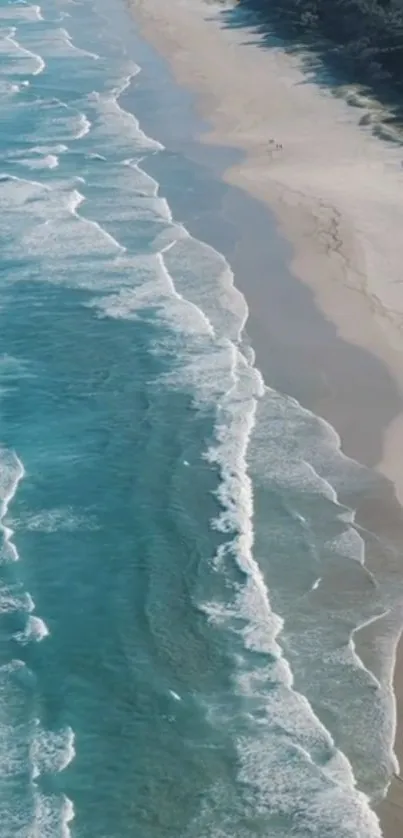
(180, 585)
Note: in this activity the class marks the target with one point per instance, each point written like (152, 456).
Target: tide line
(38, 58)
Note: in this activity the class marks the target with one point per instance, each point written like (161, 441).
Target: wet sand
(349, 362)
(334, 188)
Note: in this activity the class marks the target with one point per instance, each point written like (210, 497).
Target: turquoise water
(179, 585)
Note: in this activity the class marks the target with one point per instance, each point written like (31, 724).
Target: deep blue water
(158, 499)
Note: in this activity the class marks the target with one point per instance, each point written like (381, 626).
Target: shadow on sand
(324, 63)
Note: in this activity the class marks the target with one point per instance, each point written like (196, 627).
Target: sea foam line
(238, 488)
(171, 285)
(49, 161)
(84, 128)
(11, 473)
(14, 473)
(50, 753)
(38, 12)
(68, 39)
(22, 11)
(235, 495)
(35, 630)
(75, 201)
(251, 601)
(83, 123)
(110, 104)
(38, 58)
(260, 634)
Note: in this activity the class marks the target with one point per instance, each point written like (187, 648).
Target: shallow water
(173, 551)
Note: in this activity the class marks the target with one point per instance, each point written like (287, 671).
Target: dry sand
(335, 188)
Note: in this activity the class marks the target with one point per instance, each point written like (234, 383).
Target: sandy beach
(335, 188)
(334, 185)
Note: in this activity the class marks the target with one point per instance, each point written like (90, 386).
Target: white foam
(75, 200)
(175, 695)
(59, 518)
(35, 630)
(145, 184)
(13, 599)
(84, 126)
(14, 736)
(154, 288)
(146, 187)
(204, 277)
(58, 123)
(49, 161)
(214, 368)
(52, 816)
(56, 42)
(16, 191)
(51, 751)
(64, 232)
(284, 707)
(124, 204)
(288, 759)
(206, 320)
(67, 37)
(60, 148)
(21, 12)
(239, 388)
(350, 544)
(30, 603)
(11, 472)
(8, 88)
(300, 791)
(38, 157)
(118, 126)
(320, 635)
(16, 685)
(95, 156)
(9, 45)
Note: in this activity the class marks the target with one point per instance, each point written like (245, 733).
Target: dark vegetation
(360, 40)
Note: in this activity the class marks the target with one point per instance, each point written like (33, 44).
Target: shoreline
(338, 242)
(328, 258)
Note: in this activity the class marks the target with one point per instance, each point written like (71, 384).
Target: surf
(47, 752)
(115, 241)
